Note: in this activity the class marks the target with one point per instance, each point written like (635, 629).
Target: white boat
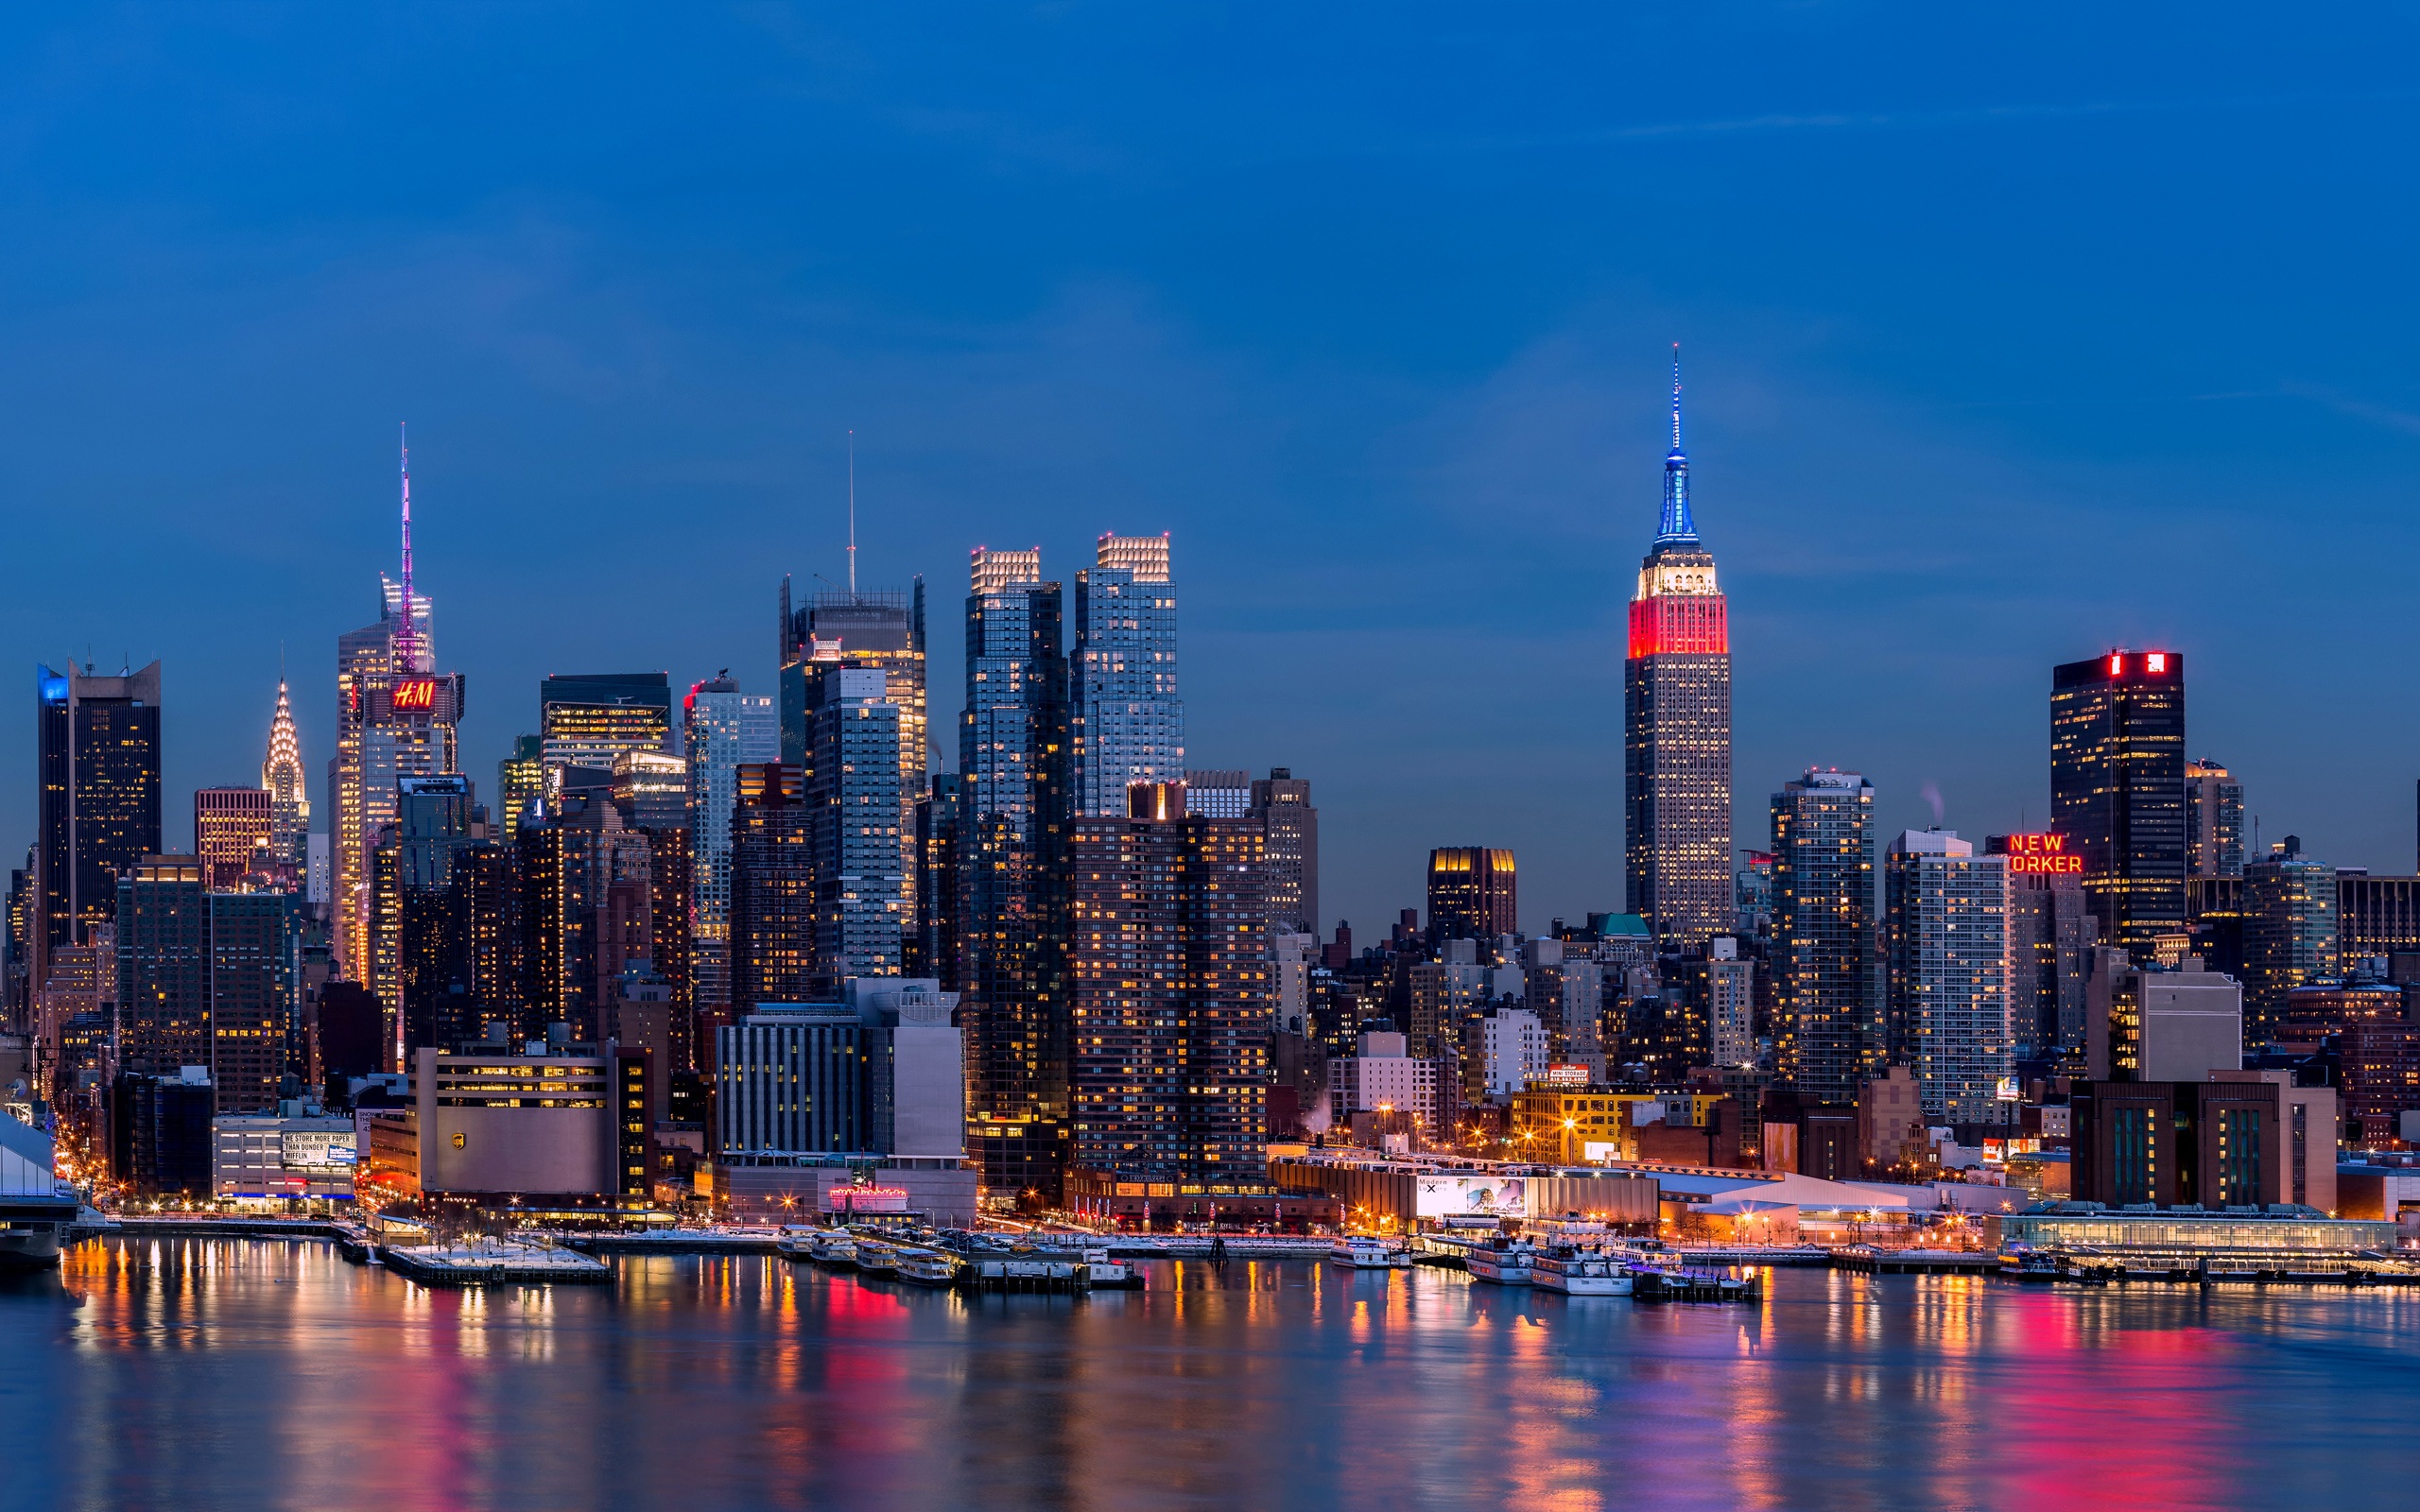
(1578, 1272)
(926, 1267)
(833, 1248)
(1363, 1253)
(1502, 1261)
(875, 1256)
(1114, 1274)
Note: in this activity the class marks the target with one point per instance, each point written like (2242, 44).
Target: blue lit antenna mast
(1677, 524)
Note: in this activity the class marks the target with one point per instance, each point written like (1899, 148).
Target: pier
(492, 1264)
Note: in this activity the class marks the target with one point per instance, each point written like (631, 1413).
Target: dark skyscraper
(2213, 837)
(98, 755)
(773, 889)
(1676, 709)
(1289, 832)
(1016, 771)
(2118, 791)
(1826, 1001)
(163, 923)
(1472, 893)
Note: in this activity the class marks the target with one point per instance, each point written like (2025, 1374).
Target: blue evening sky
(2011, 335)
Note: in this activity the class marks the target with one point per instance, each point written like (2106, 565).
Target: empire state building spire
(1676, 688)
(1677, 525)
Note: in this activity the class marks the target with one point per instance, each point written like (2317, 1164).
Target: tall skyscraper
(939, 821)
(1472, 893)
(1676, 706)
(773, 889)
(1289, 834)
(1129, 721)
(1170, 991)
(98, 755)
(2214, 833)
(396, 718)
(722, 730)
(233, 832)
(289, 793)
(1016, 770)
(252, 995)
(2118, 792)
(163, 921)
(1945, 912)
(860, 851)
(1825, 999)
(586, 719)
(2289, 936)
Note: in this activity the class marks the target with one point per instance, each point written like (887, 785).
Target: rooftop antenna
(853, 514)
(407, 638)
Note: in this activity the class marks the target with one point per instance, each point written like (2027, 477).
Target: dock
(681, 1242)
(492, 1263)
(1696, 1286)
(1915, 1261)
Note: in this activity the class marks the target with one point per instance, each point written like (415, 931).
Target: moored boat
(876, 1256)
(1575, 1271)
(1361, 1253)
(926, 1267)
(36, 1207)
(1504, 1261)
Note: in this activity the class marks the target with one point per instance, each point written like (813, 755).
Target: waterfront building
(722, 728)
(862, 895)
(1825, 1003)
(1129, 723)
(2214, 827)
(1472, 893)
(1015, 763)
(1289, 849)
(1168, 990)
(2217, 1143)
(1946, 913)
(288, 792)
(2118, 792)
(159, 1131)
(232, 829)
(2289, 931)
(539, 1127)
(921, 1113)
(793, 1076)
(97, 771)
(1893, 1123)
(2309, 1117)
(772, 886)
(2149, 1023)
(2283, 1237)
(1676, 712)
(283, 1155)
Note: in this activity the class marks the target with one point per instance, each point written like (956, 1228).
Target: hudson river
(225, 1374)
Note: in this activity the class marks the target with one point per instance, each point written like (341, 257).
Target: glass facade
(1825, 1003)
(2118, 791)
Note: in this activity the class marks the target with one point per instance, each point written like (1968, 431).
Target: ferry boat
(833, 1249)
(875, 1256)
(1360, 1252)
(1578, 1272)
(926, 1267)
(1504, 1261)
(36, 1207)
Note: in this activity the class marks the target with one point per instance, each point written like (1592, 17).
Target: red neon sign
(421, 692)
(2041, 856)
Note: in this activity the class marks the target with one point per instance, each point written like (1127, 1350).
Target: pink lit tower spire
(409, 651)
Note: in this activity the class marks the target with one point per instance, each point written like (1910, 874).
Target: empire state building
(1676, 712)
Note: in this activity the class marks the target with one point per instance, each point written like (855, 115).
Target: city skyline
(1926, 445)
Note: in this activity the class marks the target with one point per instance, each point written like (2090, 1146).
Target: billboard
(866, 1200)
(323, 1151)
(1450, 1195)
(2039, 855)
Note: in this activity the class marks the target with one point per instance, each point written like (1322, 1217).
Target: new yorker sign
(2041, 856)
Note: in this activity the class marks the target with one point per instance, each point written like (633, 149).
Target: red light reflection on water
(2111, 1416)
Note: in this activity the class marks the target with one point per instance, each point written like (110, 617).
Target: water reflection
(203, 1374)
